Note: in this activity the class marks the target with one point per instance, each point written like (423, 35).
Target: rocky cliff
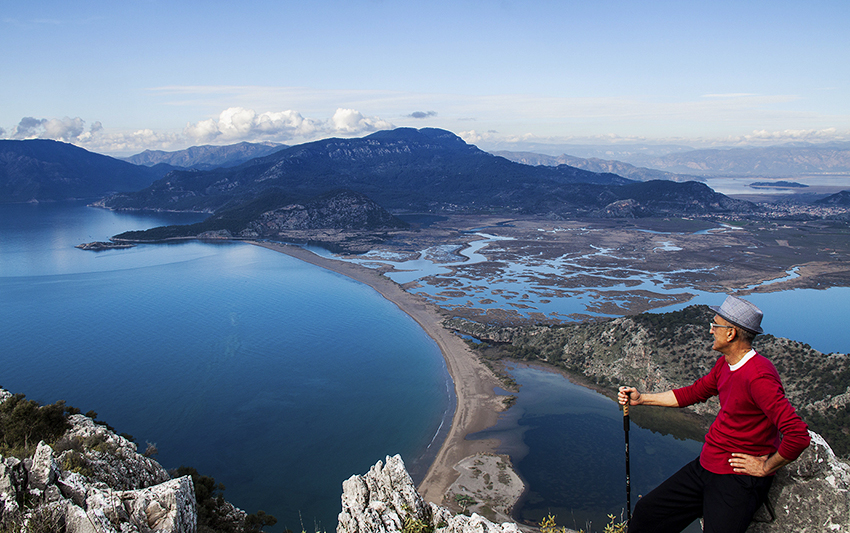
(384, 500)
(94, 481)
(810, 495)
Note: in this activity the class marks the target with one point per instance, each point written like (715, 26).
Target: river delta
(515, 270)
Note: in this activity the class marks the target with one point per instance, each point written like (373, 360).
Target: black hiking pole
(628, 478)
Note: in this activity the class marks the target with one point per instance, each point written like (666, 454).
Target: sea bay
(278, 378)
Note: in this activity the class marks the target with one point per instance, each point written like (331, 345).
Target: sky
(121, 77)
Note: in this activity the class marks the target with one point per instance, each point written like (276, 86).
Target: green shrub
(212, 511)
(23, 423)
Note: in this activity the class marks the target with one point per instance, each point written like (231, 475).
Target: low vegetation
(214, 511)
(23, 423)
(548, 525)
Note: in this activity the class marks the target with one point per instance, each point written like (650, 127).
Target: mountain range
(206, 157)
(401, 170)
(770, 161)
(595, 164)
(409, 170)
(644, 162)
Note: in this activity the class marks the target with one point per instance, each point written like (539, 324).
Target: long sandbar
(478, 405)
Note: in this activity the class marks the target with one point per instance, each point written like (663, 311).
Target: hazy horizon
(121, 78)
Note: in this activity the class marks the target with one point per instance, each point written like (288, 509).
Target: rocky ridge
(385, 500)
(206, 156)
(94, 481)
(810, 495)
(341, 220)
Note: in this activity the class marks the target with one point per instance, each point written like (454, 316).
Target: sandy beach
(478, 406)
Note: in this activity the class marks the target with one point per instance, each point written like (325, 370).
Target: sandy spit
(478, 406)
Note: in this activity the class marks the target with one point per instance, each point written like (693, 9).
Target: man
(730, 479)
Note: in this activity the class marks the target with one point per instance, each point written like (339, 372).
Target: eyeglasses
(715, 326)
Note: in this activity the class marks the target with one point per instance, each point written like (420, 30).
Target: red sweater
(753, 413)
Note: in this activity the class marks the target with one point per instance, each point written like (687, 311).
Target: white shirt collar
(743, 361)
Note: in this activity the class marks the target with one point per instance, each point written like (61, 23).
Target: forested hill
(45, 170)
(662, 351)
(339, 221)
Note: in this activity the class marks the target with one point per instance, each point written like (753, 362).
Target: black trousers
(727, 502)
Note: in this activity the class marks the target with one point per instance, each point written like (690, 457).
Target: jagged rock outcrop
(92, 481)
(57, 500)
(106, 457)
(810, 495)
(385, 499)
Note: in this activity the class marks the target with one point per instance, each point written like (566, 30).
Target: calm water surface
(278, 378)
(568, 443)
(281, 379)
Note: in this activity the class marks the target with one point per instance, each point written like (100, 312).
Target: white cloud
(128, 143)
(239, 124)
(783, 136)
(350, 121)
(65, 129)
(234, 124)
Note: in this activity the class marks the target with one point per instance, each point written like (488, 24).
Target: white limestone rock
(114, 459)
(167, 507)
(120, 492)
(44, 468)
(812, 494)
(385, 498)
(13, 478)
(73, 487)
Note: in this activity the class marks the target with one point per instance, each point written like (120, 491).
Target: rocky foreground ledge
(810, 495)
(117, 491)
(94, 481)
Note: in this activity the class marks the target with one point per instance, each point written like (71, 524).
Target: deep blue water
(276, 377)
(281, 379)
(568, 443)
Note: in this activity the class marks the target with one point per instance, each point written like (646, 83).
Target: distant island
(777, 185)
(98, 246)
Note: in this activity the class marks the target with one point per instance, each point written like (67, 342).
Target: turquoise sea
(276, 377)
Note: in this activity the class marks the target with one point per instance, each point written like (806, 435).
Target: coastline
(478, 406)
